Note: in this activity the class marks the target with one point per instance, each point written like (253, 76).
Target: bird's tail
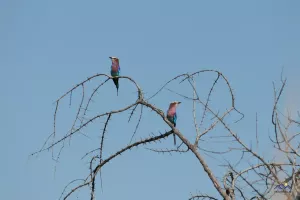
(116, 82)
(174, 139)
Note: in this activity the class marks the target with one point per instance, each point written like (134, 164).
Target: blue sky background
(46, 47)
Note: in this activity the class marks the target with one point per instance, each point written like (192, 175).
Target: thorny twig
(268, 175)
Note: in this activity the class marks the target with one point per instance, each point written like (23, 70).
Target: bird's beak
(179, 102)
(110, 57)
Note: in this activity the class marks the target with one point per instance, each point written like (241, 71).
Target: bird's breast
(115, 68)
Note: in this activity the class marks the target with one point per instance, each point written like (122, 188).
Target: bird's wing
(175, 118)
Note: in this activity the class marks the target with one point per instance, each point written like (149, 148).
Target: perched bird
(172, 116)
(115, 71)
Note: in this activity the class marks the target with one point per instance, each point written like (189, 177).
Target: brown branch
(84, 125)
(137, 125)
(192, 148)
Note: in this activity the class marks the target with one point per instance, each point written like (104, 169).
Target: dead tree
(257, 181)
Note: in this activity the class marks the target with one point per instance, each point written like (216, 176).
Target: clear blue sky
(48, 46)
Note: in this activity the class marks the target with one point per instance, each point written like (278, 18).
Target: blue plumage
(112, 73)
(115, 71)
(173, 119)
(172, 115)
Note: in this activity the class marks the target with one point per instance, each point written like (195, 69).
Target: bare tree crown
(257, 181)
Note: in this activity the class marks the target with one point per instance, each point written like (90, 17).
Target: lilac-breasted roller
(172, 116)
(115, 71)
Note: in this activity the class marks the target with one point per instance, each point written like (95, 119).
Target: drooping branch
(234, 183)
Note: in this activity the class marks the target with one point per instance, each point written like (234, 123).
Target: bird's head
(175, 103)
(114, 60)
